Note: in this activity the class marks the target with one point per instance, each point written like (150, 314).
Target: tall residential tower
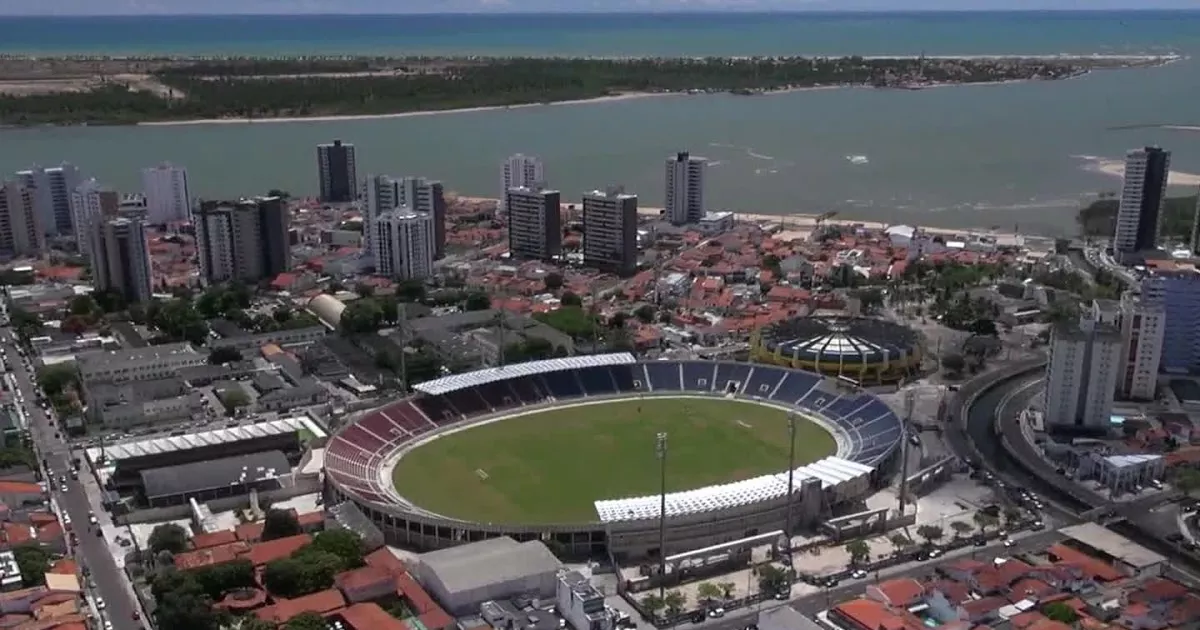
(244, 240)
(168, 197)
(21, 232)
(1084, 368)
(534, 223)
(519, 171)
(403, 244)
(610, 231)
(51, 189)
(684, 199)
(120, 257)
(1139, 216)
(337, 172)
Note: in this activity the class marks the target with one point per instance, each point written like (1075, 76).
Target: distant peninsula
(130, 90)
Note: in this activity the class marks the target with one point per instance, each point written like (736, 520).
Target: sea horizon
(1027, 154)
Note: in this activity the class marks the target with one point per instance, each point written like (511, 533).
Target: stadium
(362, 458)
(868, 351)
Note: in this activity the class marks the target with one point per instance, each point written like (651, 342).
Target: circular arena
(871, 351)
(847, 440)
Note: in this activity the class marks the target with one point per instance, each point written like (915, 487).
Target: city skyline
(68, 8)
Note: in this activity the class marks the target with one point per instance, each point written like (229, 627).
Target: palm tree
(727, 589)
(985, 520)
(653, 604)
(674, 601)
(930, 533)
(859, 551)
(901, 542)
(707, 591)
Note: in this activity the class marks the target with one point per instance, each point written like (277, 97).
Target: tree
(1187, 480)
(305, 572)
(477, 301)
(645, 314)
(653, 604)
(168, 537)
(83, 306)
(954, 363)
(306, 621)
(25, 323)
(570, 299)
(181, 602)
(234, 398)
(1012, 515)
(279, 524)
(218, 579)
(364, 290)
(675, 602)
(859, 550)
(707, 591)
(772, 579)
(727, 589)
(554, 282)
(33, 561)
(961, 528)
(1060, 612)
(361, 316)
(930, 533)
(389, 309)
(224, 354)
(985, 520)
(54, 379)
(410, 290)
(75, 325)
(342, 543)
(901, 542)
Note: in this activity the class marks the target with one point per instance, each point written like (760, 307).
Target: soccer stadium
(846, 443)
(868, 351)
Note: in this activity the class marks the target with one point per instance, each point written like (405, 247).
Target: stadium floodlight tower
(787, 523)
(660, 449)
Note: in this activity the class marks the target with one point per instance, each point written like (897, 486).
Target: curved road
(91, 551)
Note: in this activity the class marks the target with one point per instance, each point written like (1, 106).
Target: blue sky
(219, 7)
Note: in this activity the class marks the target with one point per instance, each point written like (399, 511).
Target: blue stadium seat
(527, 390)
(497, 395)
(596, 381)
(628, 378)
(844, 406)
(468, 401)
(795, 385)
(731, 377)
(698, 376)
(664, 376)
(438, 409)
(563, 384)
(762, 381)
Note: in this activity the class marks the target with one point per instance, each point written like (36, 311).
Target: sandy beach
(1116, 168)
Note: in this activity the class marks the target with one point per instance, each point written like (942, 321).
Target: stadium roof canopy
(227, 472)
(831, 471)
(175, 443)
(456, 382)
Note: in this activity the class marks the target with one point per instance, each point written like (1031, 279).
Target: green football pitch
(549, 467)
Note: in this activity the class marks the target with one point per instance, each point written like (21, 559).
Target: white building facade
(51, 188)
(120, 258)
(1083, 370)
(1139, 216)
(21, 233)
(519, 171)
(427, 196)
(1143, 330)
(684, 198)
(168, 197)
(404, 244)
(90, 201)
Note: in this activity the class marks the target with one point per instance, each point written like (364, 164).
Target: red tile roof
(320, 602)
(369, 616)
(278, 549)
(19, 487)
(902, 591)
(204, 541)
(1091, 567)
(358, 578)
(210, 556)
(385, 559)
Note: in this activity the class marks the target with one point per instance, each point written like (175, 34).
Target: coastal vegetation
(1099, 218)
(274, 88)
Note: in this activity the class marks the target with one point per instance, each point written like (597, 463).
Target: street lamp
(787, 526)
(660, 450)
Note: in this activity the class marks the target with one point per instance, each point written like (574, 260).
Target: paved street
(92, 551)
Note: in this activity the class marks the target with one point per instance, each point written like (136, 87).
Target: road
(91, 551)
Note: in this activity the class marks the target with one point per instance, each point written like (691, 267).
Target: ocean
(997, 155)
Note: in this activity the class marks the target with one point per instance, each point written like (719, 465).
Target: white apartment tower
(610, 231)
(382, 194)
(21, 232)
(120, 257)
(168, 198)
(428, 196)
(1143, 329)
(684, 199)
(519, 171)
(403, 244)
(91, 201)
(1139, 216)
(51, 189)
(1084, 368)
(534, 223)
(244, 240)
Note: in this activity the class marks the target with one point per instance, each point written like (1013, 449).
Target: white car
(108, 625)
(858, 574)
(100, 605)
(93, 520)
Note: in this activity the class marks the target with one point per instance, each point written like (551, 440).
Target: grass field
(550, 466)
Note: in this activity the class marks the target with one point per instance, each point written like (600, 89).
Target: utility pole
(791, 489)
(402, 308)
(660, 449)
(906, 423)
(500, 336)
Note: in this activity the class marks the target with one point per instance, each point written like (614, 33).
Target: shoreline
(794, 224)
(1115, 168)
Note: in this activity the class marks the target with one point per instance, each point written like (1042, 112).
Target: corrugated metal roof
(831, 471)
(158, 446)
(456, 382)
(1121, 461)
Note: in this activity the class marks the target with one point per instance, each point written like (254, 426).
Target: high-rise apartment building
(91, 201)
(610, 231)
(168, 197)
(1139, 216)
(1177, 288)
(337, 172)
(244, 240)
(404, 244)
(684, 200)
(21, 232)
(424, 195)
(519, 171)
(534, 223)
(120, 257)
(1084, 368)
(382, 194)
(1143, 328)
(51, 189)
